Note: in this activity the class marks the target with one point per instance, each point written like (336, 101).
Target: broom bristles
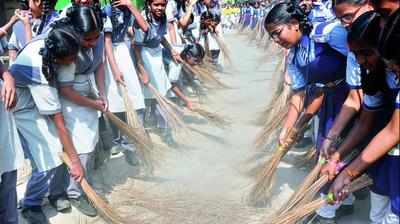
(311, 155)
(261, 190)
(297, 214)
(144, 149)
(214, 118)
(224, 49)
(104, 209)
(173, 120)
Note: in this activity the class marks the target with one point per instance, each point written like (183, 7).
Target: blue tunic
(118, 23)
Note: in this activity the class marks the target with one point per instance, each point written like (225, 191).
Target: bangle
(351, 173)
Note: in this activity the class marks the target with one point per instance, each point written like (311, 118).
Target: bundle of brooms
(299, 213)
(99, 203)
(261, 190)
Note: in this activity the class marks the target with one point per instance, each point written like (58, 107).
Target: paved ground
(205, 180)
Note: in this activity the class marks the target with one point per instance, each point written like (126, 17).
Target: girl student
(120, 69)
(38, 112)
(148, 54)
(316, 66)
(11, 152)
(383, 150)
(347, 11)
(35, 21)
(82, 96)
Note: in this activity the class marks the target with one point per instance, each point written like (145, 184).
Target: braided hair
(390, 37)
(47, 8)
(284, 12)
(62, 41)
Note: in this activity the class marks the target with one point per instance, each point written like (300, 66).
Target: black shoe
(344, 210)
(61, 204)
(34, 215)
(84, 206)
(131, 158)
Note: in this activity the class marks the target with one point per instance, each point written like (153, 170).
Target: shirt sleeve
(337, 39)
(108, 24)
(373, 102)
(46, 99)
(353, 72)
(66, 75)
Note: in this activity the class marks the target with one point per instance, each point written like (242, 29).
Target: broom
(224, 49)
(294, 216)
(214, 118)
(167, 107)
(260, 191)
(203, 74)
(309, 156)
(104, 209)
(144, 149)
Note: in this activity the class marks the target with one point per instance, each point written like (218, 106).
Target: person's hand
(119, 78)
(145, 79)
(76, 171)
(176, 56)
(99, 105)
(327, 148)
(8, 91)
(191, 3)
(24, 16)
(282, 136)
(117, 3)
(331, 169)
(339, 187)
(104, 100)
(189, 105)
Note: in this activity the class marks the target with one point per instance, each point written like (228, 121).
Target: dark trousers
(8, 198)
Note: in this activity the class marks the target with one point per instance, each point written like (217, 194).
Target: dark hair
(283, 12)
(193, 50)
(390, 38)
(47, 8)
(86, 19)
(23, 4)
(62, 41)
(365, 28)
(147, 10)
(96, 2)
(350, 2)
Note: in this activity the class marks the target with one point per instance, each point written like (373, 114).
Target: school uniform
(82, 122)
(118, 26)
(11, 159)
(37, 100)
(18, 38)
(319, 62)
(385, 192)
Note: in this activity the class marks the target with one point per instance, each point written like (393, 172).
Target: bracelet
(351, 173)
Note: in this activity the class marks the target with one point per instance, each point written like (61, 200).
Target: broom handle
(84, 184)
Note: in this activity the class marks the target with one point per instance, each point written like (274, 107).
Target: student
(120, 70)
(82, 96)
(209, 30)
(35, 21)
(148, 53)
(11, 152)
(384, 146)
(38, 113)
(316, 65)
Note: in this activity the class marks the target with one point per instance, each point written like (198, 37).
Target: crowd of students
(344, 67)
(67, 68)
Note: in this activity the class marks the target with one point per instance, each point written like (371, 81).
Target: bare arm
(135, 12)
(69, 93)
(77, 171)
(4, 29)
(144, 77)
(172, 32)
(184, 21)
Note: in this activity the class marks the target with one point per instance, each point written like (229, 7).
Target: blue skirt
(386, 176)
(331, 106)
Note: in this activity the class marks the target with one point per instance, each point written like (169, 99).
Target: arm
(118, 76)
(100, 83)
(295, 108)
(144, 77)
(182, 96)
(4, 29)
(76, 171)
(8, 92)
(138, 17)
(69, 93)
(184, 21)
(380, 145)
(167, 45)
(172, 32)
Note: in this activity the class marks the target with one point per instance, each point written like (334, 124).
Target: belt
(329, 84)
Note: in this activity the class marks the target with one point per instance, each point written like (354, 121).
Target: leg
(8, 198)
(380, 205)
